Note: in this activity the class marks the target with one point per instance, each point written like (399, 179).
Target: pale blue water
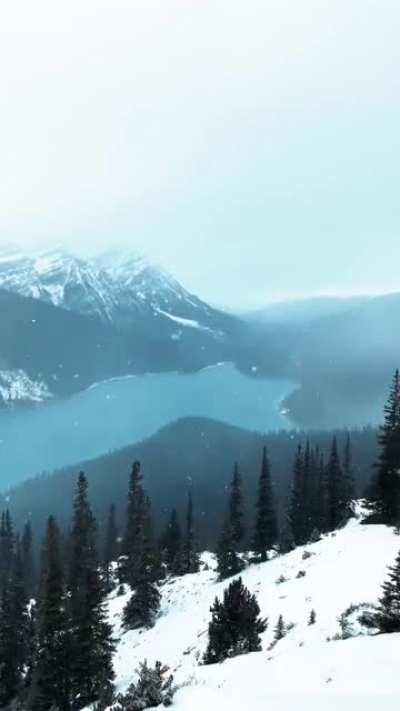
(122, 411)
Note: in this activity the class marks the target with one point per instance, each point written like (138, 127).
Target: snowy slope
(118, 287)
(304, 671)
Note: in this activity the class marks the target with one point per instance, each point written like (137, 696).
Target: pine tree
(280, 629)
(6, 546)
(10, 679)
(14, 632)
(132, 566)
(286, 538)
(228, 561)
(384, 501)
(91, 641)
(348, 474)
(188, 560)
(236, 507)
(51, 682)
(151, 690)
(142, 607)
(297, 508)
(337, 494)
(235, 625)
(110, 545)
(28, 561)
(387, 617)
(322, 497)
(313, 618)
(152, 563)
(266, 528)
(171, 540)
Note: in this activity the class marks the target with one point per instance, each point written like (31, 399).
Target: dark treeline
(201, 449)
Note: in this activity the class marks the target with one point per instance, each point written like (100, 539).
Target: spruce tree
(384, 500)
(236, 507)
(14, 631)
(280, 629)
(235, 626)
(348, 474)
(10, 679)
(171, 540)
(142, 607)
(6, 546)
(143, 562)
(387, 617)
(228, 561)
(51, 679)
(297, 504)
(110, 545)
(91, 640)
(132, 565)
(337, 494)
(266, 528)
(28, 561)
(188, 561)
(322, 522)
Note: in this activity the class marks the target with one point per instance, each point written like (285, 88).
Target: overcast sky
(251, 146)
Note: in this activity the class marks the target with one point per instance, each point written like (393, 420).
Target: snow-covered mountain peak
(116, 286)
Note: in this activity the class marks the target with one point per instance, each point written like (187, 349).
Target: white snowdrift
(304, 671)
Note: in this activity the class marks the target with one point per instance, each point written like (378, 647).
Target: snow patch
(304, 671)
(17, 386)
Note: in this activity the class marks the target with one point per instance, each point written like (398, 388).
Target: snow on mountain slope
(17, 386)
(117, 287)
(304, 671)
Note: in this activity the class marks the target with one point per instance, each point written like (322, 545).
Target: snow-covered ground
(304, 671)
(17, 386)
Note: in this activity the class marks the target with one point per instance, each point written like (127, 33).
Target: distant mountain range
(116, 287)
(67, 322)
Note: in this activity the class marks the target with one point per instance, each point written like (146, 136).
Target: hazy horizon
(250, 148)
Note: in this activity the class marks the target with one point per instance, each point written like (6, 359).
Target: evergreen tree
(142, 607)
(266, 528)
(188, 560)
(322, 522)
(280, 629)
(235, 625)
(286, 538)
(171, 540)
(387, 617)
(313, 618)
(152, 564)
(236, 507)
(132, 567)
(10, 679)
(385, 496)
(28, 561)
(151, 690)
(91, 641)
(297, 508)
(6, 547)
(228, 561)
(14, 632)
(110, 545)
(337, 494)
(51, 682)
(348, 474)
